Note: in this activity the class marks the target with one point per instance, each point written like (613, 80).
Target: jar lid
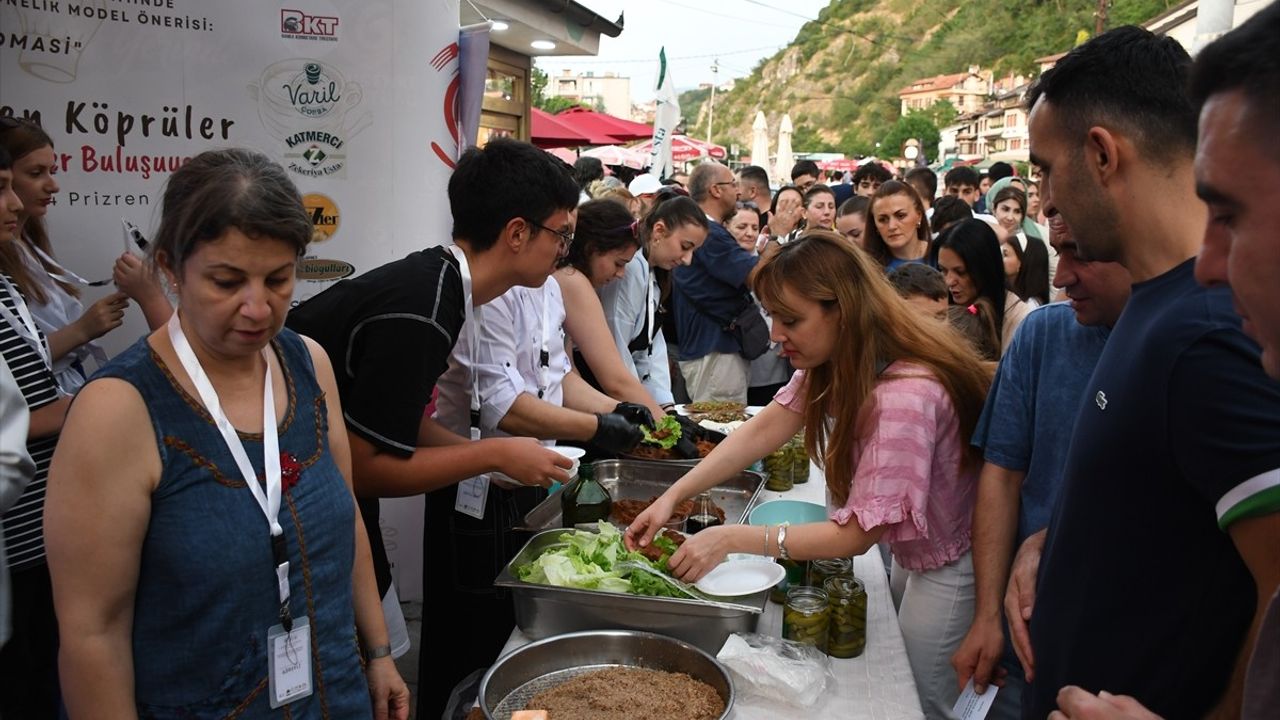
(806, 598)
(834, 563)
(844, 586)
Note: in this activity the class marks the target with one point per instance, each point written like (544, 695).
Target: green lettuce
(585, 560)
(670, 437)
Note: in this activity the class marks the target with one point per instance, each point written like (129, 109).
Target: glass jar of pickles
(777, 468)
(847, 627)
(799, 460)
(822, 570)
(805, 617)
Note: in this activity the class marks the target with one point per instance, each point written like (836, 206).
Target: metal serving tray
(643, 479)
(545, 610)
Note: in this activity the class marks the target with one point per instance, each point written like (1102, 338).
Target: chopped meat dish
(625, 693)
(653, 452)
(625, 511)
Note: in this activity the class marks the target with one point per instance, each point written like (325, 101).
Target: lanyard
(651, 305)
(469, 314)
(270, 500)
(22, 323)
(62, 274)
(544, 357)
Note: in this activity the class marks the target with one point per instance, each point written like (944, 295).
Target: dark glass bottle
(585, 500)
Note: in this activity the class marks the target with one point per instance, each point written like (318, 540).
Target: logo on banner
(446, 60)
(297, 25)
(324, 216)
(321, 269)
(315, 153)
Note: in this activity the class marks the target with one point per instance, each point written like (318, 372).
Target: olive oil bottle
(586, 500)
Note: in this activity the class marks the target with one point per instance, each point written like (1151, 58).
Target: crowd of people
(1079, 498)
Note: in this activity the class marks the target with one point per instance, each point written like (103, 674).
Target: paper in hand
(971, 705)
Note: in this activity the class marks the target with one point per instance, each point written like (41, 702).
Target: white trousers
(935, 609)
(717, 376)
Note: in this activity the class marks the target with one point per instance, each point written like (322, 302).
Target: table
(878, 685)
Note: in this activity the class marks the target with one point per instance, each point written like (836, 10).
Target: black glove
(635, 413)
(686, 448)
(616, 433)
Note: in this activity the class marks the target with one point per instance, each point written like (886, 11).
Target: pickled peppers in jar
(777, 468)
(799, 460)
(822, 570)
(847, 627)
(806, 616)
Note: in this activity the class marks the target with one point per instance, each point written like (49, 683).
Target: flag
(664, 120)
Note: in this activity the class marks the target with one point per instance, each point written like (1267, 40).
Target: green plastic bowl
(796, 512)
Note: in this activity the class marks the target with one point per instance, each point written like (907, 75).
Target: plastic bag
(776, 669)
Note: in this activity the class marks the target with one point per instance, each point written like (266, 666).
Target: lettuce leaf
(670, 429)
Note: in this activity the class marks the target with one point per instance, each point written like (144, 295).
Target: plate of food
(720, 411)
(745, 576)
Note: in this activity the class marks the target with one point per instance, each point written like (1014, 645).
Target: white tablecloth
(878, 685)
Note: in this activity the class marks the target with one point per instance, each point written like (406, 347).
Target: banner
(357, 98)
(664, 121)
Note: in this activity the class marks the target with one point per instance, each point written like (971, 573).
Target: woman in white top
(633, 305)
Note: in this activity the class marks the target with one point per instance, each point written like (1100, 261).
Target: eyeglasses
(726, 182)
(566, 238)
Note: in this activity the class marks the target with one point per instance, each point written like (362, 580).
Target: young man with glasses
(389, 333)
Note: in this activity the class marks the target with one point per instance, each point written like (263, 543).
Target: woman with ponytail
(634, 306)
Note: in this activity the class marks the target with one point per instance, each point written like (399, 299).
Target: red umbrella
(548, 132)
(684, 148)
(590, 122)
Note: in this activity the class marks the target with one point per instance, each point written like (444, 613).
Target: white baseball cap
(645, 184)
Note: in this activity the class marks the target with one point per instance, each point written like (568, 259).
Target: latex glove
(616, 433)
(635, 413)
(687, 446)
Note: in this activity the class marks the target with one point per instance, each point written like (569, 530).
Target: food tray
(526, 671)
(643, 479)
(545, 610)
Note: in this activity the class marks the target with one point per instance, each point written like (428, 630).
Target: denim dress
(206, 592)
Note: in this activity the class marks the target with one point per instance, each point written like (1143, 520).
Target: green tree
(915, 124)
(806, 139)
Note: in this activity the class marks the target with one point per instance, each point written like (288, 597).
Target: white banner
(357, 98)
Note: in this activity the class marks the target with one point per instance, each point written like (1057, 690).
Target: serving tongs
(684, 587)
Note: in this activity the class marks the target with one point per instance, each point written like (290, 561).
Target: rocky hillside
(841, 75)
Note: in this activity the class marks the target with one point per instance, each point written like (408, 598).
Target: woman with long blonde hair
(888, 400)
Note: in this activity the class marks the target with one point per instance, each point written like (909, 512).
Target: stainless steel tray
(528, 670)
(642, 479)
(545, 610)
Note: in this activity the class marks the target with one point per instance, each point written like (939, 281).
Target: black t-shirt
(388, 334)
(1141, 592)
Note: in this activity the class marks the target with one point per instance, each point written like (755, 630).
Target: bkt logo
(299, 24)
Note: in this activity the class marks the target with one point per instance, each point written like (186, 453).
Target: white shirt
(61, 310)
(16, 470)
(511, 339)
(625, 310)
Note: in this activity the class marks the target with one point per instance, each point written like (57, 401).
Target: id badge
(472, 494)
(289, 663)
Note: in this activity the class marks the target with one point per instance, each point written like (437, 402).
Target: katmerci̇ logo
(315, 153)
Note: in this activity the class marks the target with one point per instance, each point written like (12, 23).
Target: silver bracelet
(782, 540)
(766, 541)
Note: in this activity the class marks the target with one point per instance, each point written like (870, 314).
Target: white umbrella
(785, 160)
(760, 142)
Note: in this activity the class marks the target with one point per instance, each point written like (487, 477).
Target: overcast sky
(738, 32)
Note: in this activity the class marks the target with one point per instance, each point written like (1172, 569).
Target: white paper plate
(750, 410)
(741, 577)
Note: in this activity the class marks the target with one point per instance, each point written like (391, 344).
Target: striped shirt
(24, 522)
